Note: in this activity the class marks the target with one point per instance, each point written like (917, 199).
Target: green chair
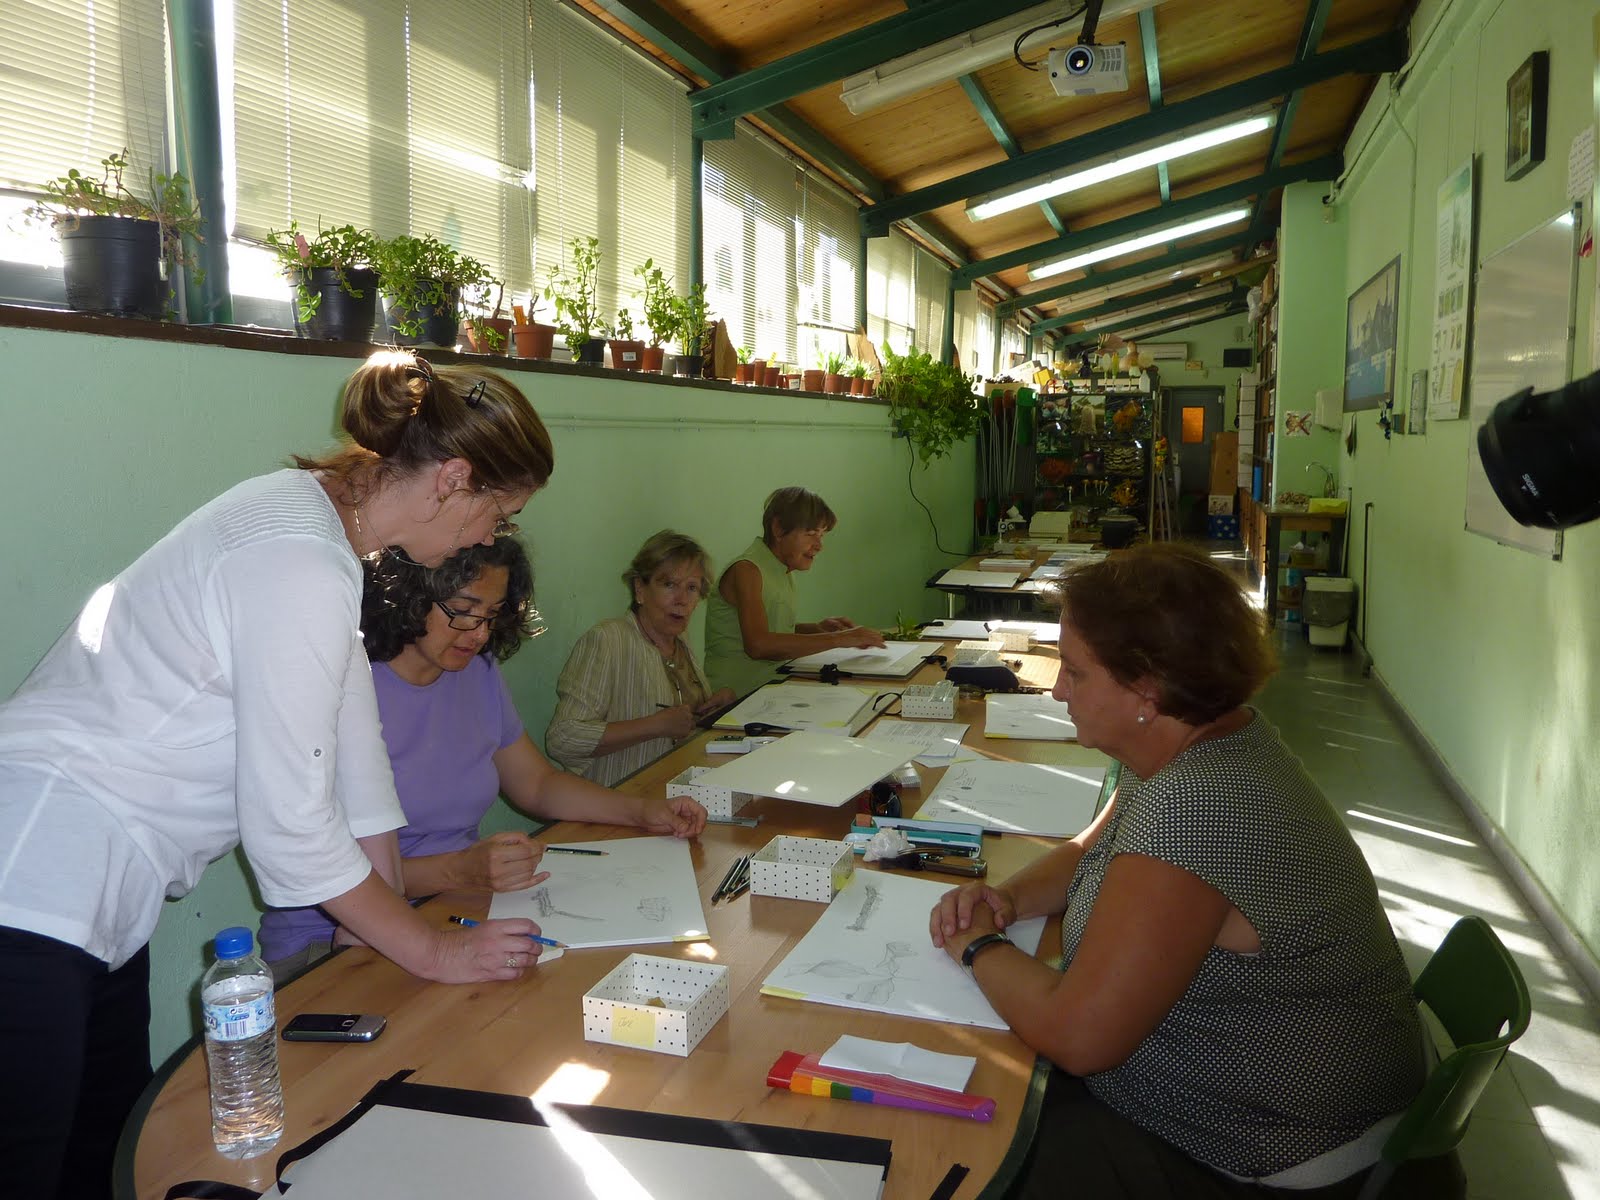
(1474, 988)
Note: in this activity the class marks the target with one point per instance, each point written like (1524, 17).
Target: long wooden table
(526, 1038)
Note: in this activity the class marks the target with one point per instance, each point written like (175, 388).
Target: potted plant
(627, 353)
(425, 281)
(758, 370)
(742, 373)
(574, 295)
(489, 334)
(812, 379)
(532, 338)
(858, 377)
(833, 369)
(932, 403)
(335, 285)
(774, 372)
(692, 314)
(660, 317)
(115, 242)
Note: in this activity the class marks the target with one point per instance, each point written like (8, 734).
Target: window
(749, 212)
(891, 289)
(828, 247)
(932, 286)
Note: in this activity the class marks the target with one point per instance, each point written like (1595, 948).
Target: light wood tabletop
(526, 1038)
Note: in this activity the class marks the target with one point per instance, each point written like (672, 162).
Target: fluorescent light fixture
(1122, 318)
(1170, 234)
(1194, 318)
(1090, 297)
(967, 52)
(1022, 195)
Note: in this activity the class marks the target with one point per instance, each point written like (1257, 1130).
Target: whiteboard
(1522, 334)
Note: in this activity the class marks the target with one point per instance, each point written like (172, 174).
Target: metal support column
(207, 298)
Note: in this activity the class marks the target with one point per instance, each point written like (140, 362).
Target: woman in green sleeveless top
(750, 625)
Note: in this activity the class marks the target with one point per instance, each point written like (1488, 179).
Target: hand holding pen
(469, 923)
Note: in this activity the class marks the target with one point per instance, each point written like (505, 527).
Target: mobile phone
(334, 1027)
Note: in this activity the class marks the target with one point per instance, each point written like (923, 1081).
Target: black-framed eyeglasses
(465, 621)
(505, 527)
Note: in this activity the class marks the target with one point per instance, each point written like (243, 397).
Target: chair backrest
(1475, 989)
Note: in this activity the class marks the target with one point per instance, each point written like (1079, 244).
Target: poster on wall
(1452, 296)
(1372, 321)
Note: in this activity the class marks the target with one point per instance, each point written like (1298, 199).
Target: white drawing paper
(936, 742)
(820, 707)
(1000, 580)
(894, 660)
(1013, 797)
(813, 768)
(870, 949)
(903, 1060)
(1037, 716)
(954, 631)
(640, 891)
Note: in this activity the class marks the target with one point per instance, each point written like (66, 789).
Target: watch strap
(978, 944)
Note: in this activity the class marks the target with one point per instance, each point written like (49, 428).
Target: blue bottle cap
(234, 942)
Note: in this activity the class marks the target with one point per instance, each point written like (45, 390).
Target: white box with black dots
(718, 801)
(661, 1004)
(929, 701)
(799, 868)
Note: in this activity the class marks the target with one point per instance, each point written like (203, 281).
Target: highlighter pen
(571, 850)
(469, 923)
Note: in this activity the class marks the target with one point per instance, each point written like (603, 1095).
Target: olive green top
(727, 665)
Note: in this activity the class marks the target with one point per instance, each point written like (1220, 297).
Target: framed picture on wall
(1527, 92)
(1371, 323)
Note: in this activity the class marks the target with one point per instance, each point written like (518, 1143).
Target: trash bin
(1329, 600)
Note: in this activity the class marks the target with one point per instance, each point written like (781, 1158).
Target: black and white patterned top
(1273, 1058)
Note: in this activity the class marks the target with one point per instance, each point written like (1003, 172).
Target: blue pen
(469, 923)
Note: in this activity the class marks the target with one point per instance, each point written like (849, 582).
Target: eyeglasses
(465, 621)
(505, 527)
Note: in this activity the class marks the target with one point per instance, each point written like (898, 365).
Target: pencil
(469, 923)
(571, 850)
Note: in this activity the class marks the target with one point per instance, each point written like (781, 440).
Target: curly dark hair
(398, 597)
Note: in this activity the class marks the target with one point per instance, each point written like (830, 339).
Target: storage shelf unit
(1094, 464)
(1258, 416)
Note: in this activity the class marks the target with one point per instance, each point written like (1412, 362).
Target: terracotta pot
(741, 373)
(626, 355)
(792, 381)
(837, 385)
(812, 381)
(869, 386)
(758, 371)
(858, 385)
(483, 344)
(652, 359)
(533, 341)
(774, 377)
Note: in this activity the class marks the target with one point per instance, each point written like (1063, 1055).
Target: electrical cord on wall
(932, 524)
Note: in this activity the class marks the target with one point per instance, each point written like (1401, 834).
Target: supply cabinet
(1093, 452)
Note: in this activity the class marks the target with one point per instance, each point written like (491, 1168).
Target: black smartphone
(333, 1027)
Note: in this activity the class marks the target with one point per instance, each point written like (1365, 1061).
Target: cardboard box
(801, 868)
(661, 1004)
(1220, 506)
(1224, 462)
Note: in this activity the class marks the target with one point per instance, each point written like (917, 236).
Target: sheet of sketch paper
(642, 890)
(1036, 716)
(894, 660)
(870, 950)
(820, 707)
(1013, 797)
(937, 742)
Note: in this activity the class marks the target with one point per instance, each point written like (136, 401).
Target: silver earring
(1142, 719)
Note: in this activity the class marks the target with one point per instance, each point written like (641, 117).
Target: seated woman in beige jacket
(631, 689)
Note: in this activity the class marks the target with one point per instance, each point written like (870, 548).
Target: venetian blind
(829, 252)
(397, 115)
(79, 82)
(983, 329)
(749, 216)
(891, 291)
(966, 330)
(932, 282)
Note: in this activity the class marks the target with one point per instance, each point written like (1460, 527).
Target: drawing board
(895, 660)
(640, 891)
(1013, 797)
(961, 630)
(813, 768)
(1037, 716)
(870, 949)
(999, 580)
(819, 707)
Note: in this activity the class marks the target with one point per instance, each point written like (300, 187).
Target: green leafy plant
(343, 249)
(660, 316)
(904, 630)
(419, 274)
(622, 328)
(833, 363)
(483, 332)
(692, 316)
(742, 353)
(574, 294)
(167, 203)
(932, 403)
(857, 369)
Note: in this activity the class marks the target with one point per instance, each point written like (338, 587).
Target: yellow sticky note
(633, 1027)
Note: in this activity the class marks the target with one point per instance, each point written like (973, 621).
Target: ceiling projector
(1088, 70)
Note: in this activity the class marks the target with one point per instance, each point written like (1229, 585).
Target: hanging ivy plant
(932, 403)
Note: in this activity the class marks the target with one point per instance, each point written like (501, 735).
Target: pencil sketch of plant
(868, 906)
(876, 984)
(655, 908)
(546, 906)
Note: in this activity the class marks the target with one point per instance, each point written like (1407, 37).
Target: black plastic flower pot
(112, 265)
(592, 353)
(440, 324)
(341, 317)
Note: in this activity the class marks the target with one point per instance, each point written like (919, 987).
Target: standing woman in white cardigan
(631, 689)
(216, 693)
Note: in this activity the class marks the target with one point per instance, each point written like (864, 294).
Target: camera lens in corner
(1080, 59)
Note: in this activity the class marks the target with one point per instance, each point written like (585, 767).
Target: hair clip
(421, 368)
(476, 394)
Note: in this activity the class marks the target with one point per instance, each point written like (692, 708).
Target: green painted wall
(1310, 332)
(1491, 650)
(114, 440)
(1205, 345)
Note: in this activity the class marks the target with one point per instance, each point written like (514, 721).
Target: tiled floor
(1536, 1132)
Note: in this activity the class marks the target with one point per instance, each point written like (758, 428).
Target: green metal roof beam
(1327, 167)
(1149, 318)
(714, 109)
(1089, 341)
(1110, 308)
(1310, 34)
(1008, 143)
(1373, 56)
(1172, 259)
(1152, 78)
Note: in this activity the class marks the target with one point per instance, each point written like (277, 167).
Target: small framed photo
(1527, 95)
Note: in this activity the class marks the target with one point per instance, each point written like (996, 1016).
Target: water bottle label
(239, 1022)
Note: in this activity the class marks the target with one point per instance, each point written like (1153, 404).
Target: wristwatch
(979, 944)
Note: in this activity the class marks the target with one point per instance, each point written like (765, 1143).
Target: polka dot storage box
(661, 1004)
(799, 868)
(718, 801)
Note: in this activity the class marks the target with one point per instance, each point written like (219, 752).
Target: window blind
(966, 330)
(932, 282)
(829, 249)
(891, 291)
(749, 205)
(79, 82)
(397, 115)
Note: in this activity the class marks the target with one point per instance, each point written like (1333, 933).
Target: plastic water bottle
(241, 1048)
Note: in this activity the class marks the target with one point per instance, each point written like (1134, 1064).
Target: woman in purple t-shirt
(436, 638)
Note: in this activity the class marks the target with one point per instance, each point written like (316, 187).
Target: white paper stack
(1013, 797)
(937, 743)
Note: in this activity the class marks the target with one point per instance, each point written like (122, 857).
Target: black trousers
(74, 1057)
(1085, 1149)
